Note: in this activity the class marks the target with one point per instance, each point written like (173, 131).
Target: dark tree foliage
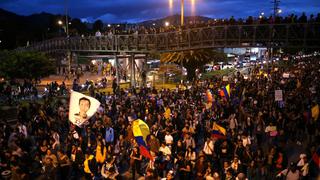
(193, 59)
(25, 65)
(98, 25)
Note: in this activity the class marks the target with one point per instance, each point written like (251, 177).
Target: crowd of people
(265, 139)
(13, 91)
(197, 23)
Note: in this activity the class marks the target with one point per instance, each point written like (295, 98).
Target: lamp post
(182, 12)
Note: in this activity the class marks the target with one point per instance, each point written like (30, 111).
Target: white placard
(82, 108)
(285, 75)
(278, 95)
(225, 78)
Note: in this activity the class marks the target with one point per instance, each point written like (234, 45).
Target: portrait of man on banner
(82, 108)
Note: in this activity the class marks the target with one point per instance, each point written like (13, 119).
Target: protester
(255, 139)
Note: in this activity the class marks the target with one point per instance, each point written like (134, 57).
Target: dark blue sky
(139, 10)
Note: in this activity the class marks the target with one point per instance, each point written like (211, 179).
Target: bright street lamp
(193, 2)
(279, 11)
(182, 12)
(60, 22)
(167, 24)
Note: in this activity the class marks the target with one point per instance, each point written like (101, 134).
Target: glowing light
(171, 6)
(193, 7)
(167, 24)
(109, 25)
(60, 22)
(279, 11)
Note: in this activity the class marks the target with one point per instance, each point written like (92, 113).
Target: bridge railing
(272, 35)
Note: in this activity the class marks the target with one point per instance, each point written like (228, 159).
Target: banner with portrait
(82, 108)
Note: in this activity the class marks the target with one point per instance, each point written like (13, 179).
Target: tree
(25, 65)
(78, 27)
(98, 25)
(193, 59)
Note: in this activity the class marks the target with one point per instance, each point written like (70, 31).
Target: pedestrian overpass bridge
(294, 35)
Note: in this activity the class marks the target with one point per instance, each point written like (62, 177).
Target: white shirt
(23, 130)
(165, 150)
(168, 139)
(208, 148)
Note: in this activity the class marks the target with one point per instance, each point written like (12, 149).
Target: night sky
(111, 11)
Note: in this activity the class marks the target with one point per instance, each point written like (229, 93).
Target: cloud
(138, 10)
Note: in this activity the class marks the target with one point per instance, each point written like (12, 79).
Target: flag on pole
(141, 131)
(82, 108)
(218, 131)
(225, 91)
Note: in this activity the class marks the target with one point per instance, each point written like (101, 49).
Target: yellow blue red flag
(209, 96)
(218, 131)
(141, 131)
(225, 91)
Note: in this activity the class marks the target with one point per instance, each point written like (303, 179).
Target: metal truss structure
(294, 35)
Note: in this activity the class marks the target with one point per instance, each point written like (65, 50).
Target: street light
(279, 11)
(171, 6)
(167, 24)
(182, 12)
(60, 22)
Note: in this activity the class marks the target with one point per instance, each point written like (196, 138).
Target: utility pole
(67, 23)
(276, 8)
(276, 11)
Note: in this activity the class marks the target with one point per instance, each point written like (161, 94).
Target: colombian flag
(141, 131)
(225, 91)
(209, 96)
(218, 131)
